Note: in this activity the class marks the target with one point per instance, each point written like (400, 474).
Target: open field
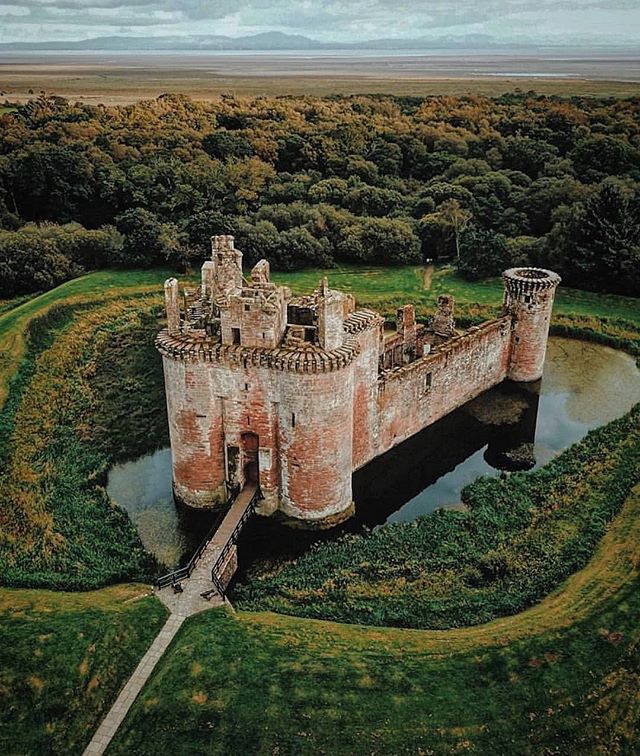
(378, 286)
(561, 677)
(122, 78)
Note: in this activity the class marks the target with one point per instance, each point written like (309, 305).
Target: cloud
(341, 20)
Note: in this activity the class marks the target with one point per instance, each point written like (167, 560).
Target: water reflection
(583, 386)
(509, 427)
(143, 488)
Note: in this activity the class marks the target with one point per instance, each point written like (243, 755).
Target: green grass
(103, 284)
(521, 536)
(561, 678)
(85, 396)
(64, 658)
(388, 285)
(62, 429)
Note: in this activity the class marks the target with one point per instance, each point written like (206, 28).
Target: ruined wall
(257, 325)
(418, 394)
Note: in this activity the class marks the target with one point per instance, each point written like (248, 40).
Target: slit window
(427, 382)
(293, 419)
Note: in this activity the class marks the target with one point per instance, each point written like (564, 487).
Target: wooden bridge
(211, 567)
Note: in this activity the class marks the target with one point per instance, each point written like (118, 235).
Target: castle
(297, 393)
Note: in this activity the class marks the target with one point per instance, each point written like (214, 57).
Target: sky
(559, 21)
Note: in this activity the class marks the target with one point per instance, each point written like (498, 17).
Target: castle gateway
(295, 393)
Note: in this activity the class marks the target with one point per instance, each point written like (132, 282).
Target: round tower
(528, 298)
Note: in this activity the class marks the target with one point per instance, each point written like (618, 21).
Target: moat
(510, 427)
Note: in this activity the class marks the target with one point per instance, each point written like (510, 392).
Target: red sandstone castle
(298, 392)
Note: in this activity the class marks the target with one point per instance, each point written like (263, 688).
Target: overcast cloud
(606, 21)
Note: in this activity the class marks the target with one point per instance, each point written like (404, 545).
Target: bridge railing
(184, 572)
(233, 538)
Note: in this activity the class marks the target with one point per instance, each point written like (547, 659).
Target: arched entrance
(250, 457)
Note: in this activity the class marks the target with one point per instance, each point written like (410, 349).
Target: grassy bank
(63, 659)
(81, 387)
(561, 677)
(522, 535)
(88, 389)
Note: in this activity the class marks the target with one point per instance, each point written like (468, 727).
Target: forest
(315, 182)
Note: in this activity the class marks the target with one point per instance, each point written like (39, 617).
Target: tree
(29, 263)
(597, 245)
(380, 240)
(483, 253)
(457, 218)
(147, 241)
(224, 144)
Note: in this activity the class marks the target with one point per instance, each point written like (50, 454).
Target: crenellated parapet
(520, 282)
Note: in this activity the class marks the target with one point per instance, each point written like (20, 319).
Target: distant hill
(276, 41)
(213, 42)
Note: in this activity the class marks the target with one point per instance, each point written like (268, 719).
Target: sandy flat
(121, 78)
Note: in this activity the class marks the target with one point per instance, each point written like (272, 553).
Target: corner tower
(528, 298)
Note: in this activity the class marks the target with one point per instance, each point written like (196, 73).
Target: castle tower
(528, 298)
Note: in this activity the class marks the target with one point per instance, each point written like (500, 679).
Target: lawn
(390, 286)
(63, 659)
(103, 284)
(561, 677)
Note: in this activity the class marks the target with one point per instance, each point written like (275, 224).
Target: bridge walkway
(190, 600)
(210, 560)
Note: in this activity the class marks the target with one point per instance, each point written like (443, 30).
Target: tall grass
(522, 535)
(59, 528)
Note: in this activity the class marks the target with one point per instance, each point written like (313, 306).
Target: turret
(528, 298)
(172, 305)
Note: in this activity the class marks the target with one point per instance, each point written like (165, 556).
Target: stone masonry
(298, 392)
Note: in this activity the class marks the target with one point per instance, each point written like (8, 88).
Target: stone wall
(415, 395)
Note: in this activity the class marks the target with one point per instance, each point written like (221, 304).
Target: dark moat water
(510, 427)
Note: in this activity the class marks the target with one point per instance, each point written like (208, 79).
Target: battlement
(520, 281)
(298, 392)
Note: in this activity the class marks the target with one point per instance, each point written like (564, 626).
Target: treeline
(520, 179)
